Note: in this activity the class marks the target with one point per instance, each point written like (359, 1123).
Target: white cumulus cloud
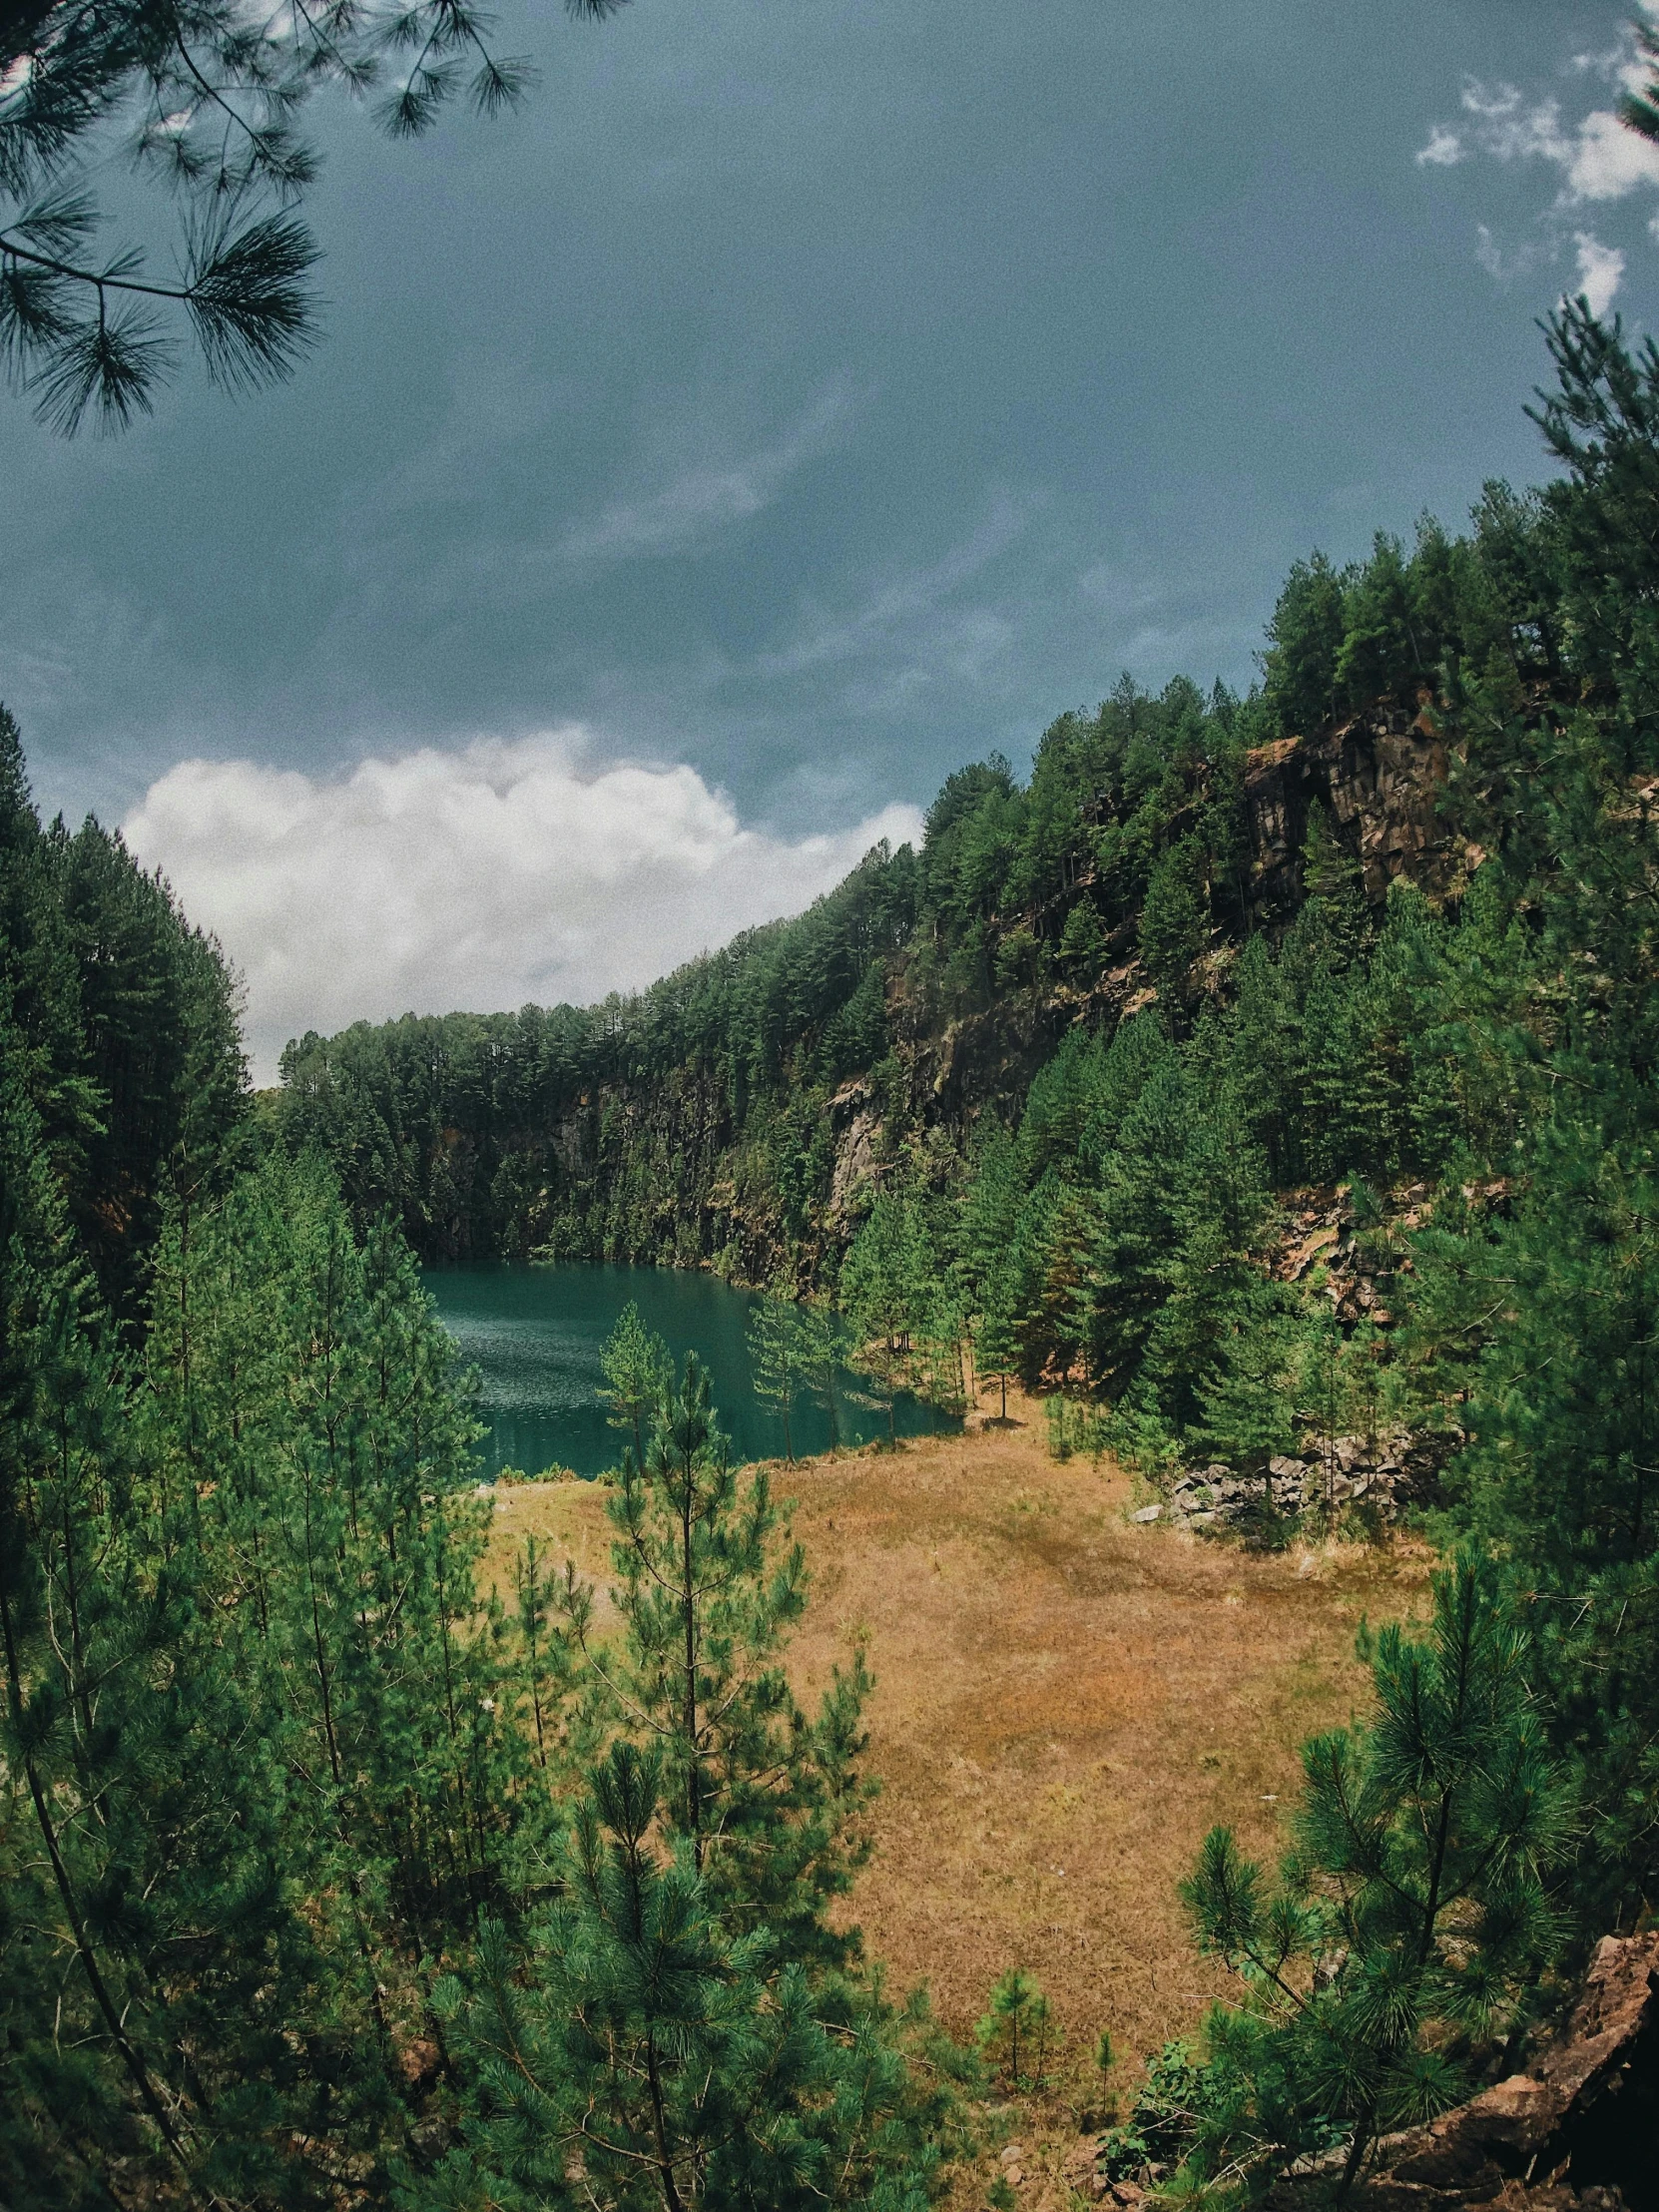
(1599, 157)
(1596, 157)
(1600, 271)
(1608, 161)
(1443, 151)
(481, 878)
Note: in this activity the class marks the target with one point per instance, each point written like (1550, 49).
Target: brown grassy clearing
(1065, 1702)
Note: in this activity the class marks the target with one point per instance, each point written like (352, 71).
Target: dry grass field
(1065, 1702)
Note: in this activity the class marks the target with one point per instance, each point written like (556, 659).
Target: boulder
(1147, 1514)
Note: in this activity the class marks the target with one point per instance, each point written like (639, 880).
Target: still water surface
(535, 1335)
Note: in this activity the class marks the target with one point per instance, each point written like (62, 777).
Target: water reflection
(535, 1335)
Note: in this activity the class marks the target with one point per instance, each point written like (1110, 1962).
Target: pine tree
(995, 1337)
(1535, 1329)
(301, 1411)
(1333, 924)
(196, 2015)
(823, 1351)
(1082, 943)
(1304, 640)
(1246, 1412)
(1265, 1045)
(1216, 1296)
(81, 323)
(1412, 1909)
(1016, 2033)
(637, 2053)
(1175, 919)
(991, 1217)
(777, 1356)
(885, 1285)
(1132, 1231)
(682, 2020)
(638, 1372)
(708, 1592)
(1043, 1277)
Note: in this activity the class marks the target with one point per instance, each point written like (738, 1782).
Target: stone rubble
(1384, 1474)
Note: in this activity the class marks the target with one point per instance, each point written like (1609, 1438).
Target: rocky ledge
(1578, 2129)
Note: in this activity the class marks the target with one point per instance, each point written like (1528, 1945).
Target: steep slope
(740, 1113)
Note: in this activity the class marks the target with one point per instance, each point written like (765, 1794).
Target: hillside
(740, 1113)
(1275, 1076)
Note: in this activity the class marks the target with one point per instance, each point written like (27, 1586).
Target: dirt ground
(1065, 1702)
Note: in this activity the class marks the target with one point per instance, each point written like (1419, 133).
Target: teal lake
(535, 1335)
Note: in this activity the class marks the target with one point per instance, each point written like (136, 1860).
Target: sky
(792, 402)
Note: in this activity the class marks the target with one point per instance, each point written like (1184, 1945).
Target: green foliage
(681, 2016)
(824, 1351)
(257, 1774)
(1175, 918)
(682, 2058)
(660, 1128)
(1412, 1919)
(124, 1026)
(709, 1587)
(1016, 2035)
(780, 1353)
(1334, 925)
(639, 1376)
(1074, 1426)
(898, 1307)
(79, 324)
(1176, 2097)
(1082, 943)
(271, 1760)
(295, 1826)
(1245, 1415)
(1304, 644)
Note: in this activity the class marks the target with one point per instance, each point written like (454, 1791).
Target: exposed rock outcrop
(1379, 778)
(1578, 2129)
(857, 1126)
(1384, 1474)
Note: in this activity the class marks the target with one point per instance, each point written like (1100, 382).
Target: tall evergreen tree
(683, 2028)
(638, 1374)
(1175, 919)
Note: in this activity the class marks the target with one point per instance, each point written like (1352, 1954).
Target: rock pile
(1383, 1473)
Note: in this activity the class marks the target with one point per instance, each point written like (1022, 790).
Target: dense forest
(328, 1878)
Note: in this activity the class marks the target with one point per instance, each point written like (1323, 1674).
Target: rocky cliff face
(1378, 779)
(674, 1157)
